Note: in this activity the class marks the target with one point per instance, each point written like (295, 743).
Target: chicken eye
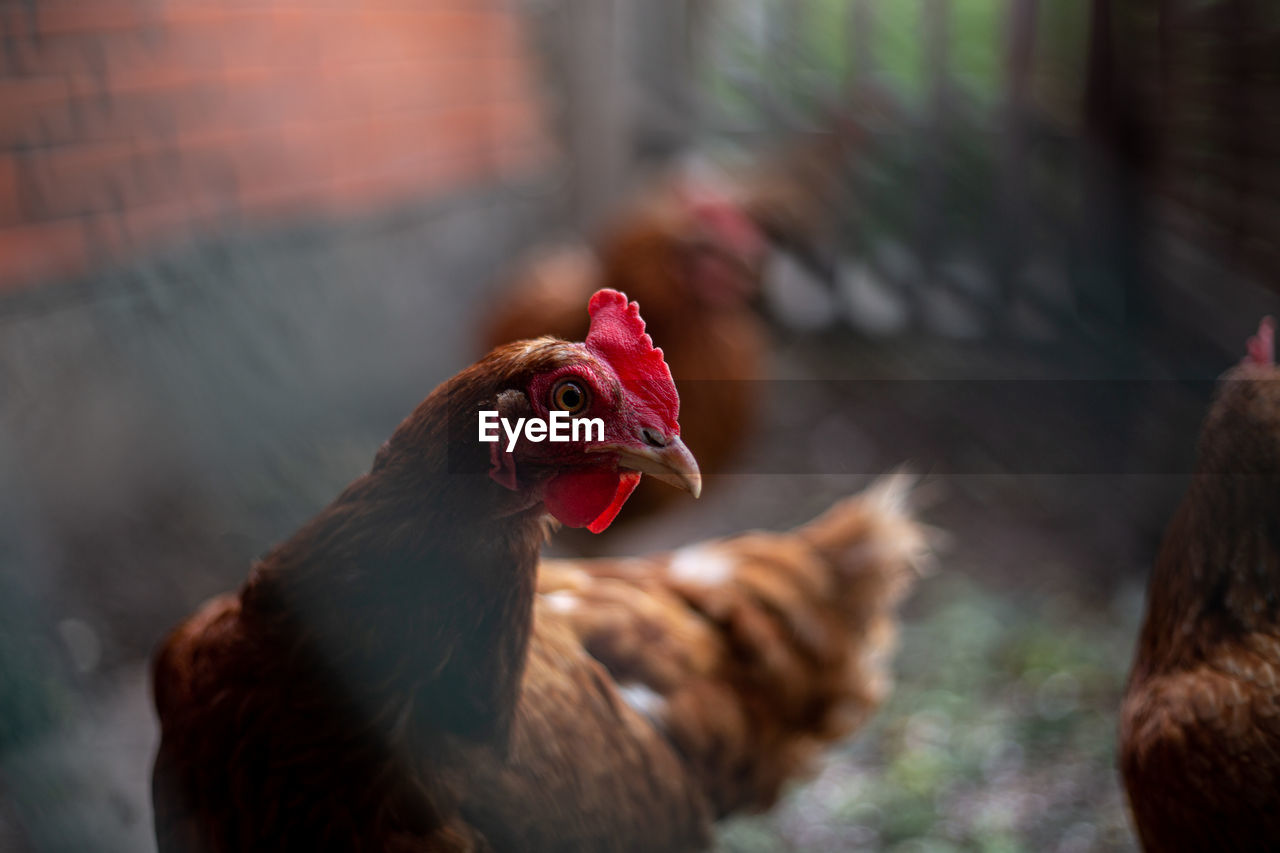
(569, 396)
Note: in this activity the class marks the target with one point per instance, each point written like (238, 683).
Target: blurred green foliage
(821, 40)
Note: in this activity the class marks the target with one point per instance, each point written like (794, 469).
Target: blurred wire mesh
(207, 329)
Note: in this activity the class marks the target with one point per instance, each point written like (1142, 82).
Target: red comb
(723, 215)
(617, 335)
(1262, 346)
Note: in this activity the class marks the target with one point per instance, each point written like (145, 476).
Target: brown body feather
(1200, 725)
(749, 653)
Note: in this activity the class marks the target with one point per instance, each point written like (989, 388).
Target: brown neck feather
(1217, 576)
(411, 594)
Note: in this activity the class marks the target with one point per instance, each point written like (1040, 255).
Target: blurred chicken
(1200, 725)
(399, 675)
(693, 249)
(692, 257)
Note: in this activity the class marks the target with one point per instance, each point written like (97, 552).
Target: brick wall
(125, 124)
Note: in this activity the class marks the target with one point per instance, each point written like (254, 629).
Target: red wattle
(590, 498)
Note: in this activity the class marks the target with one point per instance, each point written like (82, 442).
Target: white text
(559, 427)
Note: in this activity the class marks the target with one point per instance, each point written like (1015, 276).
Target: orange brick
(170, 113)
(43, 250)
(371, 88)
(98, 117)
(69, 180)
(154, 78)
(115, 237)
(273, 178)
(90, 179)
(379, 34)
(383, 184)
(72, 16)
(436, 5)
(261, 36)
(142, 227)
(23, 93)
(28, 56)
(197, 43)
(38, 125)
(131, 50)
(9, 213)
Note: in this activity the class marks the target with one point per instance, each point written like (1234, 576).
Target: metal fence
(1034, 169)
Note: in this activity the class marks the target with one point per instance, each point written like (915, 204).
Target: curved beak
(672, 464)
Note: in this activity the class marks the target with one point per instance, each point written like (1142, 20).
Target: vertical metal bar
(598, 105)
(797, 79)
(661, 76)
(781, 38)
(1009, 246)
(931, 186)
(937, 59)
(861, 30)
(1114, 280)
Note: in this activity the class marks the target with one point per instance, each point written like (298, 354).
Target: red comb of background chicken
(617, 335)
(732, 227)
(1262, 346)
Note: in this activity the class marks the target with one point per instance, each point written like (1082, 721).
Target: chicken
(1200, 724)
(749, 653)
(690, 254)
(400, 675)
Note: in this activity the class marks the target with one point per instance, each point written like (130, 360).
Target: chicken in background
(689, 253)
(694, 249)
(401, 675)
(1200, 724)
